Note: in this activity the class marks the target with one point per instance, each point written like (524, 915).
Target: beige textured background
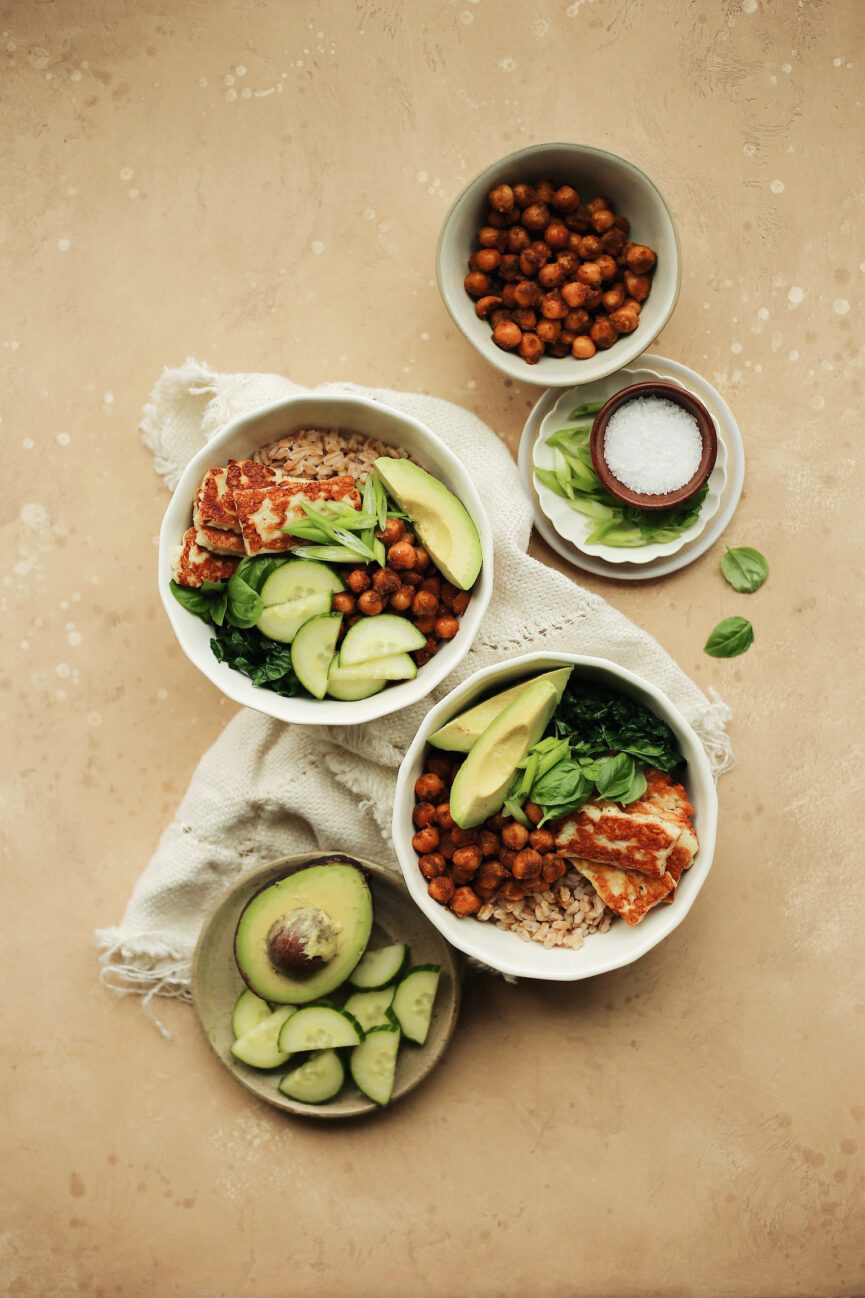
(260, 185)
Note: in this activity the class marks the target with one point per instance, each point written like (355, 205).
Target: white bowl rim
(644, 941)
(630, 350)
(235, 685)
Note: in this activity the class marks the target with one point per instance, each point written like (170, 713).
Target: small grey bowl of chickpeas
(560, 263)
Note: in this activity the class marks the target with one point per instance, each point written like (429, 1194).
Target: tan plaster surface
(260, 185)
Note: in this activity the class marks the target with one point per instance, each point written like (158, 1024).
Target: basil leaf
(730, 638)
(559, 810)
(637, 789)
(745, 569)
(254, 571)
(244, 603)
(194, 599)
(616, 776)
(218, 607)
(564, 782)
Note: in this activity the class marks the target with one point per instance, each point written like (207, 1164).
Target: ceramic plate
(216, 983)
(574, 526)
(624, 569)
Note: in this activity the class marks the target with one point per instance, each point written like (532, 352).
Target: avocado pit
(302, 941)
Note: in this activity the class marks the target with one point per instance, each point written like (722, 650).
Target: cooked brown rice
(319, 454)
(564, 915)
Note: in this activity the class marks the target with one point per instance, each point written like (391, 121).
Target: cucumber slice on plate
(373, 1063)
(414, 999)
(350, 684)
(371, 1008)
(379, 637)
(259, 1047)
(320, 1027)
(378, 968)
(292, 594)
(249, 1010)
(318, 1080)
(313, 649)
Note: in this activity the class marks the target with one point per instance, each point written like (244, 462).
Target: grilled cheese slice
(263, 512)
(625, 892)
(633, 839)
(214, 500)
(193, 565)
(218, 540)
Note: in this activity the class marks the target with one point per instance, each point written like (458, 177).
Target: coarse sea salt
(652, 446)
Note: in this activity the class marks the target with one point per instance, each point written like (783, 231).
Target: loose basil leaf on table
(744, 568)
(730, 638)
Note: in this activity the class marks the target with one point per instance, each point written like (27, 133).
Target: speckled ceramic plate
(625, 569)
(216, 983)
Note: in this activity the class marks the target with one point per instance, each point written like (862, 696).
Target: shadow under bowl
(679, 397)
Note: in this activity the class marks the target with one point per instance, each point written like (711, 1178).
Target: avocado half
(441, 521)
(300, 937)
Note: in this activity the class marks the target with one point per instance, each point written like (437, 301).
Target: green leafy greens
(745, 569)
(730, 638)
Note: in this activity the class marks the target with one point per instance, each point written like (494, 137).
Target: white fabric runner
(265, 788)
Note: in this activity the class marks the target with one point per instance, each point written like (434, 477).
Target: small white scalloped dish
(576, 527)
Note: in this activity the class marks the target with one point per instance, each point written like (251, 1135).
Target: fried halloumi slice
(633, 839)
(214, 500)
(193, 566)
(219, 540)
(625, 892)
(263, 512)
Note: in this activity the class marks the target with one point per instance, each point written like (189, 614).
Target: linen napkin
(265, 788)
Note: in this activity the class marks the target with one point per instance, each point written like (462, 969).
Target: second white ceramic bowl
(238, 441)
(591, 171)
(601, 952)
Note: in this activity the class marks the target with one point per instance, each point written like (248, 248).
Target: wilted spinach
(267, 663)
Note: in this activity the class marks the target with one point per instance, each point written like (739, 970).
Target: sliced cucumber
(413, 1001)
(249, 1010)
(312, 651)
(379, 637)
(259, 1047)
(294, 593)
(396, 667)
(320, 1027)
(352, 683)
(378, 968)
(371, 1008)
(373, 1063)
(318, 1080)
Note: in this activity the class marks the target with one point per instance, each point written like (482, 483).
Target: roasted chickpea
(569, 262)
(370, 603)
(477, 284)
(531, 262)
(613, 242)
(488, 236)
(542, 841)
(527, 864)
(343, 602)
(625, 320)
(392, 530)
(548, 331)
(531, 348)
(590, 274)
(432, 584)
(603, 333)
(426, 840)
(545, 190)
(500, 317)
(467, 858)
(385, 582)
(631, 304)
(496, 822)
(589, 247)
(553, 868)
(608, 266)
(575, 242)
(559, 347)
(444, 819)
(350, 621)
(465, 902)
(541, 250)
(598, 204)
(551, 275)
(413, 579)
(488, 842)
(424, 604)
(524, 195)
(432, 865)
(565, 199)
(509, 271)
(536, 216)
(358, 580)
(638, 286)
(602, 221)
(507, 335)
(511, 890)
(402, 556)
(429, 787)
(531, 811)
(490, 873)
(447, 847)
(507, 856)
(501, 198)
(555, 237)
(464, 837)
(575, 294)
(566, 339)
(525, 318)
(456, 600)
(497, 219)
(438, 764)
(526, 293)
(593, 298)
(441, 889)
(422, 559)
(509, 296)
(484, 307)
(515, 836)
(488, 260)
(445, 627)
(426, 625)
(583, 348)
(639, 258)
(553, 306)
(577, 322)
(613, 298)
(518, 238)
(423, 814)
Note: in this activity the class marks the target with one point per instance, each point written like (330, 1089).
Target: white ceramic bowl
(238, 441)
(603, 951)
(574, 526)
(591, 171)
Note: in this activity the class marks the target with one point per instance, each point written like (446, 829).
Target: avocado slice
(481, 783)
(300, 937)
(441, 521)
(461, 732)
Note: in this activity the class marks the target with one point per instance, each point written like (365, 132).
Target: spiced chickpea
(488, 842)
(593, 298)
(424, 604)
(509, 271)
(426, 625)
(637, 285)
(524, 195)
(501, 316)
(566, 339)
(602, 220)
(536, 217)
(402, 556)
(507, 335)
(425, 840)
(578, 321)
(456, 600)
(496, 822)
(527, 864)
(608, 266)
(622, 223)
(531, 811)
(432, 584)
(484, 307)
(548, 331)
(555, 237)
(351, 621)
(446, 627)
(412, 579)
(477, 283)
(488, 260)
(422, 560)
(511, 890)
(590, 274)
(441, 889)
(343, 602)
(432, 865)
(488, 236)
(551, 275)
(515, 836)
(542, 841)
(489, 875)
(531, 261)
(385, 582)
(370, 603)
(438, 764)
(565, 199)
(464, 837)
(589, 247)
(358, 580)
(526, 293)
(496, 219)
(447, 847)
(429, 787)
(603, 333)
(465, 902)
(625, 320)
(423, 814)
(553, 306)
(558, 348)
(392, 531)
(507, 856)
(531, 348)
(525, 318)
(444, 819)
(509, 294)
(501, 198)
(553, 868)
(613, 298)
(467, 858)
(574, 242)
(613, 241)
(575, 293)
(583, 348)
(518, 238)
(569, 262)
(639, 258)
(597, 204)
